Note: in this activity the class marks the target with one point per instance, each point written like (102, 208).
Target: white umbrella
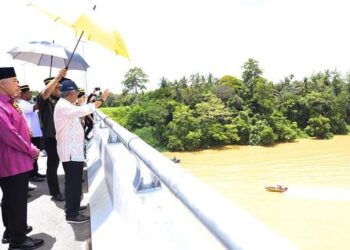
(44, 53)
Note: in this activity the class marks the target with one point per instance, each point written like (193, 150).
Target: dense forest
(203, 111)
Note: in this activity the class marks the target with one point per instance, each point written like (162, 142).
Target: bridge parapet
(141, 199)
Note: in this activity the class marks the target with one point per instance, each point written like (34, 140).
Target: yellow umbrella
(86, 25)
(106, 37)
(53, 16)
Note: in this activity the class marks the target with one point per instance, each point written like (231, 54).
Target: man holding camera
(89, 119)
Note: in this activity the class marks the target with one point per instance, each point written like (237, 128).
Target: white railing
(139, 198)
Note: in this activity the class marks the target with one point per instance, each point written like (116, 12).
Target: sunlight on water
(326, 194)
(312, 214)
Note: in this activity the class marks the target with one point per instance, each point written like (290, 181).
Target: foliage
(261, 134)
(135, 79)
(231, 81)
(183, 132)
(243, 122)
(284, 129)
(319, 127)
(149, 135)
(201, 111)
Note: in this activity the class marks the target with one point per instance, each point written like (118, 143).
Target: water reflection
(315, 193)
(313, 213)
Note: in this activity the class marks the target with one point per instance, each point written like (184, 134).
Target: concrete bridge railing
(141, 199)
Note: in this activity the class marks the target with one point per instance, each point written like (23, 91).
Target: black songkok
(7, 72)
(24, 88)
(48, 80)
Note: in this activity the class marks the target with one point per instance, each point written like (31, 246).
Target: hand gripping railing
(232, 226)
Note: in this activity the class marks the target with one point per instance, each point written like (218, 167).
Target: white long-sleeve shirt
(69, 131)
(31, 117)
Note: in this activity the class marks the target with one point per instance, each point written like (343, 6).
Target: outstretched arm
(53, 83)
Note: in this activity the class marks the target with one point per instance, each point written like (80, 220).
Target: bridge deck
(48, 220)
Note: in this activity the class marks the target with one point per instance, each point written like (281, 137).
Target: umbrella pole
(53, 41)
(76, 45)
(51, 65)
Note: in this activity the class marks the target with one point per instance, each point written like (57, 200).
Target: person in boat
(174, 159)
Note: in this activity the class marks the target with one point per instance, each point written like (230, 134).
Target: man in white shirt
(31, 115)
(70, 144)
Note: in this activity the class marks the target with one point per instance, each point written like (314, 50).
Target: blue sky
(177, 38)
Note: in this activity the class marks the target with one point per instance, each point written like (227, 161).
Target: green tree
(135, 79)
(263, 100)
(243, 122)
(224, 92)
(338, 125)
(213, 115)
(261, 134)
(319, 127)
(183, 132)
(231, 81)
(282, 127)
(251, 73)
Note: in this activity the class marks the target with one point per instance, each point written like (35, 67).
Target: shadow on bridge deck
(48, 219)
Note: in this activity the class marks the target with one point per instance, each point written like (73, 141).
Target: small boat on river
(276, 188)
(176, 160)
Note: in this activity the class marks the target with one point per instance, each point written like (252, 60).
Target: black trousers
(89, 125)
(14, 205)
(52, 165)
(73, 174)
(37, 142)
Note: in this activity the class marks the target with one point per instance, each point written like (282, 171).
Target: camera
(97, 91)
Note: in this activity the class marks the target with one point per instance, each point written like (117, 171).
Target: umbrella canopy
(48, 54)
(88, 26)
(105, 36)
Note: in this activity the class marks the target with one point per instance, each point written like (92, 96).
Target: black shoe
(28, 244)
(40, 175)
(78, 219)
(6, 238)
(58, 197)
(36, 179)
(29, 229)
(82, 208)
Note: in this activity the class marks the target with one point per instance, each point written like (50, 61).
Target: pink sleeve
(10, 136)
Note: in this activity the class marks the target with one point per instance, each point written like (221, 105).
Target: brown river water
(315, 211)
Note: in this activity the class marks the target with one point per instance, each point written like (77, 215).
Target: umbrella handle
(76, 45)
